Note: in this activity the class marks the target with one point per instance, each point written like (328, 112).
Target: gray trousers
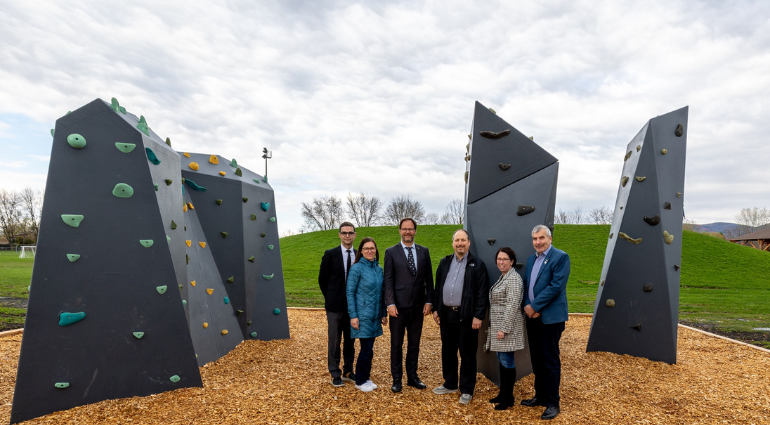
(339, 331)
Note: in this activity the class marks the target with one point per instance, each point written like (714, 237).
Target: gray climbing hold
(270, 247)
(268, 276)
(640, 179)
(151, 156)
(231, 279)
(224, 235)
(138, 335)
(679, 130)
(72, 219)
(73, 257)
(218, 201)
(667, 206)
(503, 166)
(173, 225)
(629, 238)
(668, 237)
(664, 151)
(524, 210)
(491, 241)
(494, 135)
(253, 334)
(66, 318)
(146, 242)
(623, 181)
(272, 219)
(610, 303)
(175, 378)
(251, 259)
(253, 217)
(238, 172)
(142, 126)
(125, 147)
(123, 190)
(647, 287)
(194, 185)
(245, 200)
(61, 385)
(76, 141)
(161, 289)
(652, 221)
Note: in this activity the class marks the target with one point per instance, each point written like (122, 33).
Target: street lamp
(267, 155)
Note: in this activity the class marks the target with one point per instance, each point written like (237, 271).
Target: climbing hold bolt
(76, 141)
(123, 190)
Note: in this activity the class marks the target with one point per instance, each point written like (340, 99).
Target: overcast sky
(377, 97)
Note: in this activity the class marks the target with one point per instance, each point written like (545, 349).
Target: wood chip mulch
(715, 381)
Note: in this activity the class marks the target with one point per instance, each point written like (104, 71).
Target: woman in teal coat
(366, 308)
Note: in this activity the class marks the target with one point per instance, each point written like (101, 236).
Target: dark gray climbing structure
(236, 209)
(510, 188)
(104, 319)
(637, 305)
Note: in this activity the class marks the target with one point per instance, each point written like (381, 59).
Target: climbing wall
(510, 188)
(104, 320)
(236, 209)
(637, 305)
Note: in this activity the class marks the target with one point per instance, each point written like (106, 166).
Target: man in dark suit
(332, 278)
(545, 304)
(407, 290)
(460, 303)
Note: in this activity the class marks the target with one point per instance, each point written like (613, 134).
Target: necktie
(347, 268)
(410, 262)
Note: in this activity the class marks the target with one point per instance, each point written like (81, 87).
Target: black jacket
(331, 279)
(475, 300)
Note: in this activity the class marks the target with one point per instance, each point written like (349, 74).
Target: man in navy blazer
(407, 290)
(545, 304)
(332, 279)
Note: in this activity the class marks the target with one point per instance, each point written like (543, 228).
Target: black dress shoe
(396, 388)
(416, 383)
(531, 402)
(337, 382)
(550, 413)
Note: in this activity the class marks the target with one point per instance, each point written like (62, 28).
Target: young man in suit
(332, 278)
(545, 304)
(407, 290)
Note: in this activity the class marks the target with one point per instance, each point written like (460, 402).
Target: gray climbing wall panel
(637, 305)
(511, 188)
(243, 207)
(132, 339)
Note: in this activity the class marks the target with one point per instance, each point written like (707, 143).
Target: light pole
(267, 155)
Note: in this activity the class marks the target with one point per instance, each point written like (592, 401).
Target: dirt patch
(756, 338)
(10, 319)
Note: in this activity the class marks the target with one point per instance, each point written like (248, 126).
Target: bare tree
(31, 204)
(10, 214)
(562, 217)
(454, 212)
(752, 219)
(322, 213)
(601, 215)
(577, 216)
(404, 206)
(432, 218)
(364, 209)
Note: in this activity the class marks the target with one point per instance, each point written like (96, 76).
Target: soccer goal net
(27, 251)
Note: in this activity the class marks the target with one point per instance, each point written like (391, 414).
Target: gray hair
(541, 227)
(461, 230)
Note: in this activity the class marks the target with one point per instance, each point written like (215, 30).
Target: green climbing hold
(265, 206)
(161, 289)
(184, 302)
(253, 334)
(268, 276)
(251, 259)
(168, 142)
(180, 287)
(231, 279)
(239, 312)
(195, 186)
(272, 219)
(146, 242)
(233, 163)
(168, 239)
(238, 172)
(218, 201)
(173, 225)
(255, 180)
(72, 219)
(182, 179)
(52, 132)
(270, 247)
(125, 147)
(66, 319)
(156, 186)
(142, 126)
(175, 379)
(61, 385)
(168, 182)
(224, 235)
(245, 200)
(248, 323)
(276, 311)
(253, 217)
(265, 179)
(115, 106)
(262, 234)
(123, 190)
(227, 300)
(138, 335)
(73, 257)
(151, 156)
(76, 141)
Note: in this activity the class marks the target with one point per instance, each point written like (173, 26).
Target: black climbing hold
(652, 221)
(231, 279)
(168, 141)
(493, 135)
(224, 235)
(168, 182)
(679, 130)
(245, 200)
(151, 156)
(218, 201)
(519, 265)
(504, 166)
(187, 258)
(142, 126)
(637, 327)
(173, 225)
(251, 259)
(647, 287)
(491, 241)
(194, 185)
(238, 172)
(676, 267)
(524, 210)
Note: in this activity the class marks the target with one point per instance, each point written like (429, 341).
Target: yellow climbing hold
(205, 325)
(193, 166)
(221, 173)
(189, 243)
(184, 208)
(189, 204)
(210, 290)
(192, 282)
(213, 159)
(187, 155)
(224, 332)
(202, 244)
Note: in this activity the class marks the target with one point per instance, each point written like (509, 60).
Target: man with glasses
(460, 300)
(407, 290)
(332, 278)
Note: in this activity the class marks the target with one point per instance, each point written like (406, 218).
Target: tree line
(20, 215)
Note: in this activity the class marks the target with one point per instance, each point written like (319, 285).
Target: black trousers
(409, 322)
(546, 363)
(458, 336)
(364, 363)
(339, 331)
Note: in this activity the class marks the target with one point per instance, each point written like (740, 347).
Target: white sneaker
(372, 384)
(365, 387)
(441, 389)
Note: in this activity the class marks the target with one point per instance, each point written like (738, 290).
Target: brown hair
(405, 219)
(509, 252)
(347, 224)
(359, 254)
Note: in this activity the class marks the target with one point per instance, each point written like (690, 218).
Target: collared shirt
(535, 271)
(414, 253)
(453, 287)
(345, 258)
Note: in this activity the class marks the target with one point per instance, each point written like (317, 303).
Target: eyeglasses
(368, 249)
(408, 230)
(503, 260)
(347, 233)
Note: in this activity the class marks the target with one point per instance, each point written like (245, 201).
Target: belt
(452, 308)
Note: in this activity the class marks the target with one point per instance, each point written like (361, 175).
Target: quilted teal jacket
(364, 292)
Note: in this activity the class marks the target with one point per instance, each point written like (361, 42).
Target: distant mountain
(719, 227)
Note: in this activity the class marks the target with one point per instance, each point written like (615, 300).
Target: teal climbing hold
(233, 163)
(73, 257)
(276, 311)
(224, 235)
(265, 206)
(184, 302)
(245, 200)
(123, 190)
(125, 147)
(151, 156)
(175, 379)
(253, 334)
(168, 182)
(218, 201)
(265, 179)
(194, 185)
(66, 318)
(142, 126)
(156, 186)
(72, 219)
(61, 385)
(227, 300)
(52, 132)
(272, 219)
(146, 242)
(173, 225)
(138, 335)
(270, 247)
(251, 258)
(76, 141)
(161, 289)
(168, 239)
(257, 181)
(268, 276)
(231, 279)
(253, 217)
(238, 172)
